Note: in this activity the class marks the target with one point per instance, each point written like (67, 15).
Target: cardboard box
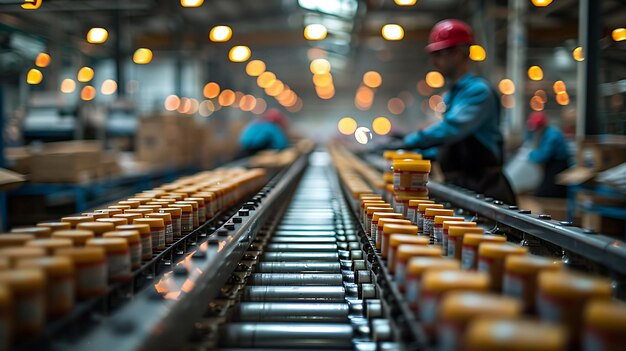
(66, 162)
(18, 159)
(595, 154)
(168, 140)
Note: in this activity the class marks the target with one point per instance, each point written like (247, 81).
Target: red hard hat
(449, 33)
(537, 120)
(275, 116)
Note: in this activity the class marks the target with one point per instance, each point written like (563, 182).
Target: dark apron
(548, 186)
(469, 164)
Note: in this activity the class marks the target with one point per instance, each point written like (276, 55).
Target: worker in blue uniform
(266, 132)
(468, 139)
(551, 152)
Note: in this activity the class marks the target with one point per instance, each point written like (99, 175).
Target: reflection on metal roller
(310, 287)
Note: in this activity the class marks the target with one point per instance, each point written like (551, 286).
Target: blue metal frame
(596, 189)
(97, 192)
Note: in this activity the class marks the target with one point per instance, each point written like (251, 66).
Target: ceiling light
(97, 35)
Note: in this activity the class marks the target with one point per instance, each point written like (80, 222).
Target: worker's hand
(390, 144)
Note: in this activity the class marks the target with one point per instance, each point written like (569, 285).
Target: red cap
(275, 116)
(449, 33)
(537, 120)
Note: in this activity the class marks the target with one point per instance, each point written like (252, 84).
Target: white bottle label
(428, 309)
(135, 254)
(410, 215)
(158, 237)
(548, 310)
(484, 265)
(176, 223)
(92, 277)
(400, 275)
(448, 337)
(119, 265)
(513, 285)
(451, 246)
(169, 232)
(468, 255)
(412, 289)
(187, 222)
(438, 234)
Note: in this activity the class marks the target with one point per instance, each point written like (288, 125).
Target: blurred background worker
(266, 132)
(468, 138)
(550, 150)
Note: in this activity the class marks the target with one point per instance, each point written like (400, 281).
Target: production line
(316, 260)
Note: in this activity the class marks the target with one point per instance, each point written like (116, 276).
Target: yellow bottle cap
(74, 220)
(120, 207)
(396, 240)
(499, 251)
(114, 221)
(96, 227)
(394, 228)
(141, 211)
(394, 154)
(52, 266)
(166, 217)
(14, 254)
(573, 286)
(15, 239)
(368, 202)
(370, 210)
(194, 204)
(476, 239)
(110, 211)
(460, 306)
(384, 220)
(109, 244)
(378, 215)
(370, 196)
(38, 232)
(408, 250)
(54, 226)
(408, 165)
(438, 212)
(423, 207)
(51, 245)
(199, 200)
(461, 231)
(78, 236)
(186, 208)
(83, 254)
(440, 219)
(23, 280)
(131, 236)
(442, 281)
(96, 215)
(153, 208)
(141, 200)
(143, 229)
(155, 203)
(407, 196)
(415, 203)
(129, 216)
(514, 335)
(531, 264)
(453, 223)
(132, 204)
(154, 223)
(419, 265)
(173, 211)
(165, 201)
(606, 315)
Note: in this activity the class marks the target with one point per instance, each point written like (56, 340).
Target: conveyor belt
(309, 287)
